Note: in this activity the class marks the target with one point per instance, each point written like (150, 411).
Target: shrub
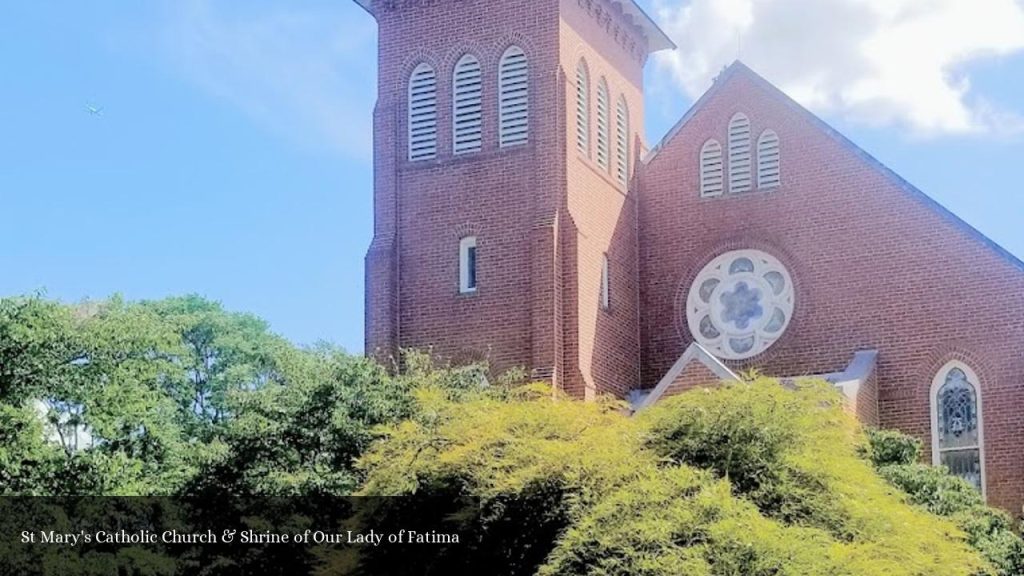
(988, 530)
(752, 480)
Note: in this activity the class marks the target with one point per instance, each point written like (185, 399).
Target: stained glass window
(958, 427)
(740, 304)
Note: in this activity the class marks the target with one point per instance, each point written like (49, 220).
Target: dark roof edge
(895, 178)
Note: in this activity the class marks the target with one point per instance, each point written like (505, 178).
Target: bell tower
(506, 135)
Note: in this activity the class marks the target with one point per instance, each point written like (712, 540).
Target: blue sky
(232, 154)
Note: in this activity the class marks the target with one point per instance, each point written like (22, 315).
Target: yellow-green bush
(751, 479)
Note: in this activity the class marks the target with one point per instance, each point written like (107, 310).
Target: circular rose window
(740, 304)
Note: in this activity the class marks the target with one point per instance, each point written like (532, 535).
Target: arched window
(422, 113)
(513, 98)
(711, 169)
(957, 440)
(740, 177)
(467, 105)
(768, 171)
(622, 141)
(603, 128)
(582, 108)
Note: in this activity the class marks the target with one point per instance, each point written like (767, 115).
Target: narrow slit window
(467, 265)
(605, 291)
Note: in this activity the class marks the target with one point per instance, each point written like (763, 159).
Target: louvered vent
(513, 98)
(467, 106)
(622, 141)
(422, 113)
(582, 109)
(602, 124)
(740, 166)
(769, 174)
(711, 169)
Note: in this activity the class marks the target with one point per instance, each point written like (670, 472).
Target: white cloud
(883, 62)
(301, 71)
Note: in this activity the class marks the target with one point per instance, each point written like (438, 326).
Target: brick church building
(521, 218)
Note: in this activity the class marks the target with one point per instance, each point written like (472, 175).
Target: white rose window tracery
(740, 304)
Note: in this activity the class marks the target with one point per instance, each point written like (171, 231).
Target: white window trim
(937, 382)
(464, 245)
(605, 281)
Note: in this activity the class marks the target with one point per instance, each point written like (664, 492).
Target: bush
(988, 530)
(752, 479)
(887, 447)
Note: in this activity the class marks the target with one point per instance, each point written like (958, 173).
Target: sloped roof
(739, 68)
(657, 40)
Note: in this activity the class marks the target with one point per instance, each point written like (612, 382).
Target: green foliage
(753, 479)
(887, 447)
(989, 531)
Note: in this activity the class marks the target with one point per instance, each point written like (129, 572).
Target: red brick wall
(542, 215)
(599, 212)
(874, 266)
(695, 375)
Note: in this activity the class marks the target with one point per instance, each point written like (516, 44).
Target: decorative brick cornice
(611, 22)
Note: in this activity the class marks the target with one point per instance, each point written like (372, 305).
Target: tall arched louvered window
(583, 108)
(740, 165)
(422, 113)
(467, 105)
(769, 174)
(513, 98)
(622, 141)
(712, 171)
(957, 440)
(603, 128)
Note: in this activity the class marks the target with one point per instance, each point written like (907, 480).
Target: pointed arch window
(513, 98)
(603, 129)
(740, 166)
(712, 171)
(622, 141)
(467, 105)
(769, 174)
(422, 117)
(957, 440)
(582, 108)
